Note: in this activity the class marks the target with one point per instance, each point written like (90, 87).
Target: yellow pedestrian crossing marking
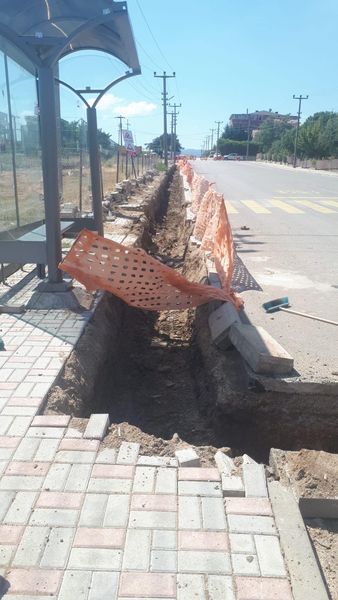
(316, 207)
(256, 207)
(231, 210)
(286, 207)
(333, 203)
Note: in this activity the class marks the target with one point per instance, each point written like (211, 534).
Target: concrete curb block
(306, 579)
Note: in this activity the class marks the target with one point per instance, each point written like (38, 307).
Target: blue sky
(228, 56)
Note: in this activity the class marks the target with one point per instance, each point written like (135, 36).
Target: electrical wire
(152, 35)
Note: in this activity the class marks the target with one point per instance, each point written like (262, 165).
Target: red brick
(93, 537)
(117, 471)
(262, 588)
(197, 474)
(248, 506)
(10, 534)
(148, 585)
(27, 468)
(9, 442)
(7, 386)
(77, 444)
(34, 581)
(51, 421)
(154, 502)
(59, 500)
(24, 402)
(203, 540)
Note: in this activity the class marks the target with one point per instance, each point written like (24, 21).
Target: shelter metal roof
(48, 30)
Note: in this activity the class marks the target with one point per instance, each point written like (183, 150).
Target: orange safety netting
(207, 210)
(199, 187)
(187, 170)
(131, 274)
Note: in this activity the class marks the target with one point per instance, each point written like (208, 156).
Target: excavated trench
(161, 380)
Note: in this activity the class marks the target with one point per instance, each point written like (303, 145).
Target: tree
(235, 133)
(157, 145)
(270, 131)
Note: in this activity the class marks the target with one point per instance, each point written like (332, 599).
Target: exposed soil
(157, 391)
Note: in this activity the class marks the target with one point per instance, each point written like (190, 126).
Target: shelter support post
(95, 169)
(49, 148)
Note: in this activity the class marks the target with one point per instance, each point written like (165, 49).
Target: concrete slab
(260, 350)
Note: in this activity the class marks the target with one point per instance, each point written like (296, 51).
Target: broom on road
(283, 304)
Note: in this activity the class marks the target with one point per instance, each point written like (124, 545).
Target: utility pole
(118, 151)
(300, 98)
(212, 137)
(248, 136)
(171, 134)
(175, 107)
(164, 77)
(218, 123)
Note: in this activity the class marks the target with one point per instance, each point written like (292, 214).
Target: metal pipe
(95, 169)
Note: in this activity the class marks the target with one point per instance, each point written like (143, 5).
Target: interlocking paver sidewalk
(78, 520)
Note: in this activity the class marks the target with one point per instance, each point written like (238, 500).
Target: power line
(151, 33)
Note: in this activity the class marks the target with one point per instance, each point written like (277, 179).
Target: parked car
(232, 156)
(218, 157)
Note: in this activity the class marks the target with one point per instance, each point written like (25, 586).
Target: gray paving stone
(20, 411)
(213, 515)
(46, 450)
(106, 456)
(232, 486)
(57, 548)
(164, 540)
(6, 555)
(136, 554)
(153, 519)
(56, 477)
(117, 511)
(254, 480)
(190, 561)
(75, 584)
(77, 480)
(199, 488)
(242, 542)
(166, 481)
(104, 586)
(21, 482)
(224, 463)
(110, 486)
(75, 456)
(269, 556)
(220, 587)
(163, 561)
(157, 461)
(5, 423)
(46, 432)
(144, 480)
(31, 547)
(95, 559)
(6, 499)
(190, 587)
(19, 426)
(21, 508)
(93, 510)
(245, 564)
(54, 517)
(189, 513)
(26, 449)
(97, 426)
(249, 524)
(187, 457)
(128, 453)
(3, 465)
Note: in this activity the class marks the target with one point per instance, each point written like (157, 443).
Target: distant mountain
(191, 152)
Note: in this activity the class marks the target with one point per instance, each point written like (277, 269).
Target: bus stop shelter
(37, 34)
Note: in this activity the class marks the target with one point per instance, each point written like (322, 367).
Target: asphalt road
(290, 249)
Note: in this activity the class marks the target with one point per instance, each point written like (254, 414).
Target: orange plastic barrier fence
(199, 187)
(134, 276)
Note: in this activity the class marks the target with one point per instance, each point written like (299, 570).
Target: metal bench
(31, 247)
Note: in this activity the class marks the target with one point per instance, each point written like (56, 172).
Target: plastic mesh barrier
(134, 276)
(199, 187)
